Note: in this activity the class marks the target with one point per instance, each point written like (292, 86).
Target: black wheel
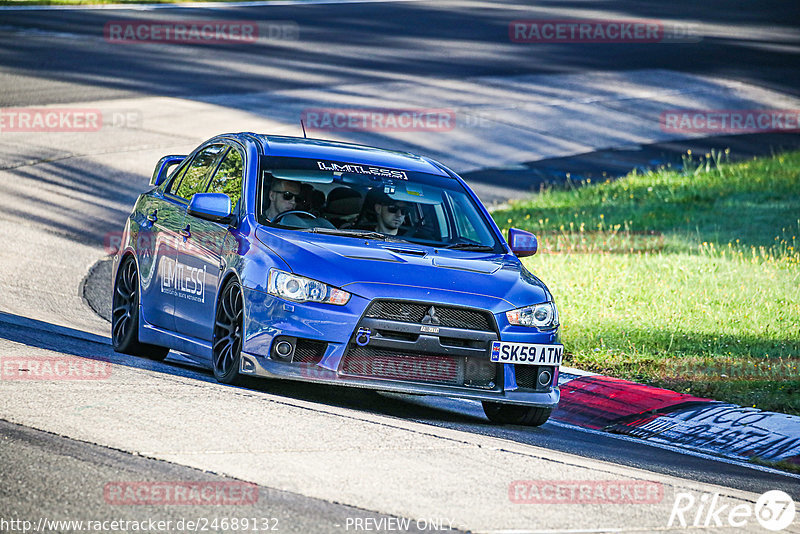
(125, 315)
(514, 414)
(228, 326)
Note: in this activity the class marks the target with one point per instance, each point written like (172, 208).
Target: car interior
(436, 215)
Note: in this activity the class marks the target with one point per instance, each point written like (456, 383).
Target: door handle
(186, 233)
(153, 217)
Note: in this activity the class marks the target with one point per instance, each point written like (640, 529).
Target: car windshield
(365, 201)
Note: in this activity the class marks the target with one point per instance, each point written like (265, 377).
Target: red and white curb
(666, 417)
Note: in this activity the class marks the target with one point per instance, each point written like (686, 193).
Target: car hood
(386, 269)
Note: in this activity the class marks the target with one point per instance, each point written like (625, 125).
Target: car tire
(125, 315)
(514, 414)
(228, 329)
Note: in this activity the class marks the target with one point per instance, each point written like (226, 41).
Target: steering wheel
(293, 212)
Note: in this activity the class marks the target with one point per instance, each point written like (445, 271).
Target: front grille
(417, 367)
(528, 377)
(413, 312)
(480, 373)
(308, 351)
(362, 361)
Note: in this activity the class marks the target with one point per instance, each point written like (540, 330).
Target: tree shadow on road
(64, 340)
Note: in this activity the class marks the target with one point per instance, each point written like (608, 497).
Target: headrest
(343, 201)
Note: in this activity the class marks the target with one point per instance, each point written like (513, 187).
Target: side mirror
(522, 243)
(163, 167)
(215, 207)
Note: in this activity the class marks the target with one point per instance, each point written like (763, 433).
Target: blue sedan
(328, 262)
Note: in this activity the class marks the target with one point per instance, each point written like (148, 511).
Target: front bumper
(400, 354)
(254, 365)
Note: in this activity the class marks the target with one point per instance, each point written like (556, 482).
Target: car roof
(300, 147)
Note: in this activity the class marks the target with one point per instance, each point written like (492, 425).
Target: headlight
(544, 316)
(301, 289)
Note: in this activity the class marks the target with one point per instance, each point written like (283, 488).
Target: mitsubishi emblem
(431, 317)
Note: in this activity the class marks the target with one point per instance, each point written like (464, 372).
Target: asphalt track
(51, 483)
(373, 42)
(455, 414)
(62, 195)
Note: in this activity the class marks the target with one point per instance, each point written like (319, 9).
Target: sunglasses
(394, 209)
(287, 195)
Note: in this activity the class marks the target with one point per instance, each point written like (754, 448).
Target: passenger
(283, 196)
(391, 214)
(367, 218)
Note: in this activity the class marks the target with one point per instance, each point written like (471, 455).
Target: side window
(194, 179)
(170, 185)
(228, 178)
(465, 225)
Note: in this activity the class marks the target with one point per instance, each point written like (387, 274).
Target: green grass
(688, 279)
(780, 464)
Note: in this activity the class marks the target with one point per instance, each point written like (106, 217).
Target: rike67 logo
(774, 510)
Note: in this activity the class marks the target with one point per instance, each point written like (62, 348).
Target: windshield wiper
(364, 234)
(470, 246)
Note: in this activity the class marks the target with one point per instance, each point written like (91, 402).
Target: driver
(283, 196)
(391, 214)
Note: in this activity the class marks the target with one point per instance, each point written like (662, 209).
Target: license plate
(527, 353)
